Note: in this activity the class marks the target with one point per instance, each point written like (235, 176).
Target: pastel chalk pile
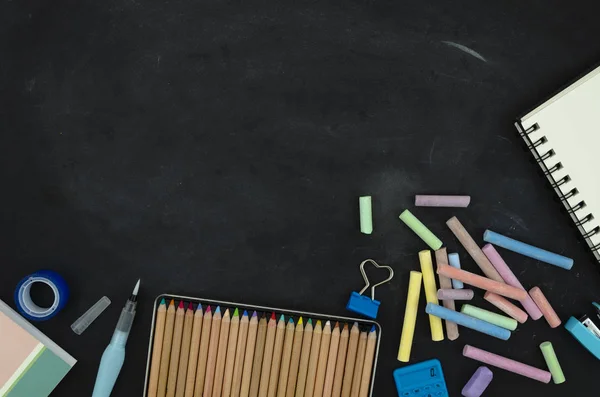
(509, 277)
(219, 351)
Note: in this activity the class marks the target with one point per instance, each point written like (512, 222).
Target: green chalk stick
(490, 317)
(420, 230)
(366, 214)
(552, 362)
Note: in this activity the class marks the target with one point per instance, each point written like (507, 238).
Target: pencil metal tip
(136, 289)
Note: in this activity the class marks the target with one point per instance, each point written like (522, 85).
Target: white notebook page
(570, 121)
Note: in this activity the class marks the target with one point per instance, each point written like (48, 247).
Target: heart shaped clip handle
(364, 274)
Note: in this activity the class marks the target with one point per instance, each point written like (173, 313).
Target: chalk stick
(437, 333)
(552, 362)
(366, 214)
(482, 282)
(441, 257)
(455, 294)
(509, 278)
(480, 380)
(454, 260)
(490, 317)
(420, 230)
(410, 316)
(506, 306)
(473, 249)
(545, 307)
(506, 364)
(425, 200)
(527, 250)
(467, 321)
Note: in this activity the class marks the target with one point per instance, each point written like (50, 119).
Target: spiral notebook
(31, 365)
(563, 135)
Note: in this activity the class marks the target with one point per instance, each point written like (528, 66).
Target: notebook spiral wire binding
(540, 158)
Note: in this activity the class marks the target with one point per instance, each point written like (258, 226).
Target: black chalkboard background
(217, 149)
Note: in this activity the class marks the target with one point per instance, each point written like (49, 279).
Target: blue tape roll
(28, 308)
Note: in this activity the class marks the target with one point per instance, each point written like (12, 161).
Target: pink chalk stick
(507, 364)
(506, 306)
(422, 200)
(510, 279)
(546, 308)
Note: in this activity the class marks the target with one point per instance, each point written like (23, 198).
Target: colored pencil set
(225, 352)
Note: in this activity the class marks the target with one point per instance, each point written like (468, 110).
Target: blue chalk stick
(527, 250)
(454, 260)
(467, 321)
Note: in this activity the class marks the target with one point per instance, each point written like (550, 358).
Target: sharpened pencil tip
(180, 305)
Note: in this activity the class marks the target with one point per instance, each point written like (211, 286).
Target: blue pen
(114, 354)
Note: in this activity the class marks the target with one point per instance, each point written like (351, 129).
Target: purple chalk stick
(478, 382)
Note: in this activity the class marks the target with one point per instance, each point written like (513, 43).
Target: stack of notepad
(31, 365)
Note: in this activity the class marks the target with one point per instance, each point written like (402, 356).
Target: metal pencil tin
(363, 324)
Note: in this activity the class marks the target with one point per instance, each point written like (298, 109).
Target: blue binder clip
(586, 332)
(363, 305)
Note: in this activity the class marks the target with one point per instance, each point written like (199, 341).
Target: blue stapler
(586, 332)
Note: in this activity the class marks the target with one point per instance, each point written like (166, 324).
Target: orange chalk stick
(482, 282)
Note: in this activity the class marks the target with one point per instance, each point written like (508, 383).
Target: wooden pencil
(251, 348)
(221, 354)
(267, 357)
(295, 359)
(277, 354)
(175, 350)
(350, 360)
(231, 349)
(190, 378)
(184, 357)
(360, 362)
(304, 359)
(368, 366)
(213, 347)
(203, 352)
(165, 357)
(322, 364)
(315, 349)
(338, 378)
(240, 350)
(286, 357)
(258, 357)
(159, 333)
(331, 361)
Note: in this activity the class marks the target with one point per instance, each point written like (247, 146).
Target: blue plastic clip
(363, 305)
(586, 332)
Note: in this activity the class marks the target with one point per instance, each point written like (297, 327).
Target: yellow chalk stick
(435, 323)
(410, 316)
